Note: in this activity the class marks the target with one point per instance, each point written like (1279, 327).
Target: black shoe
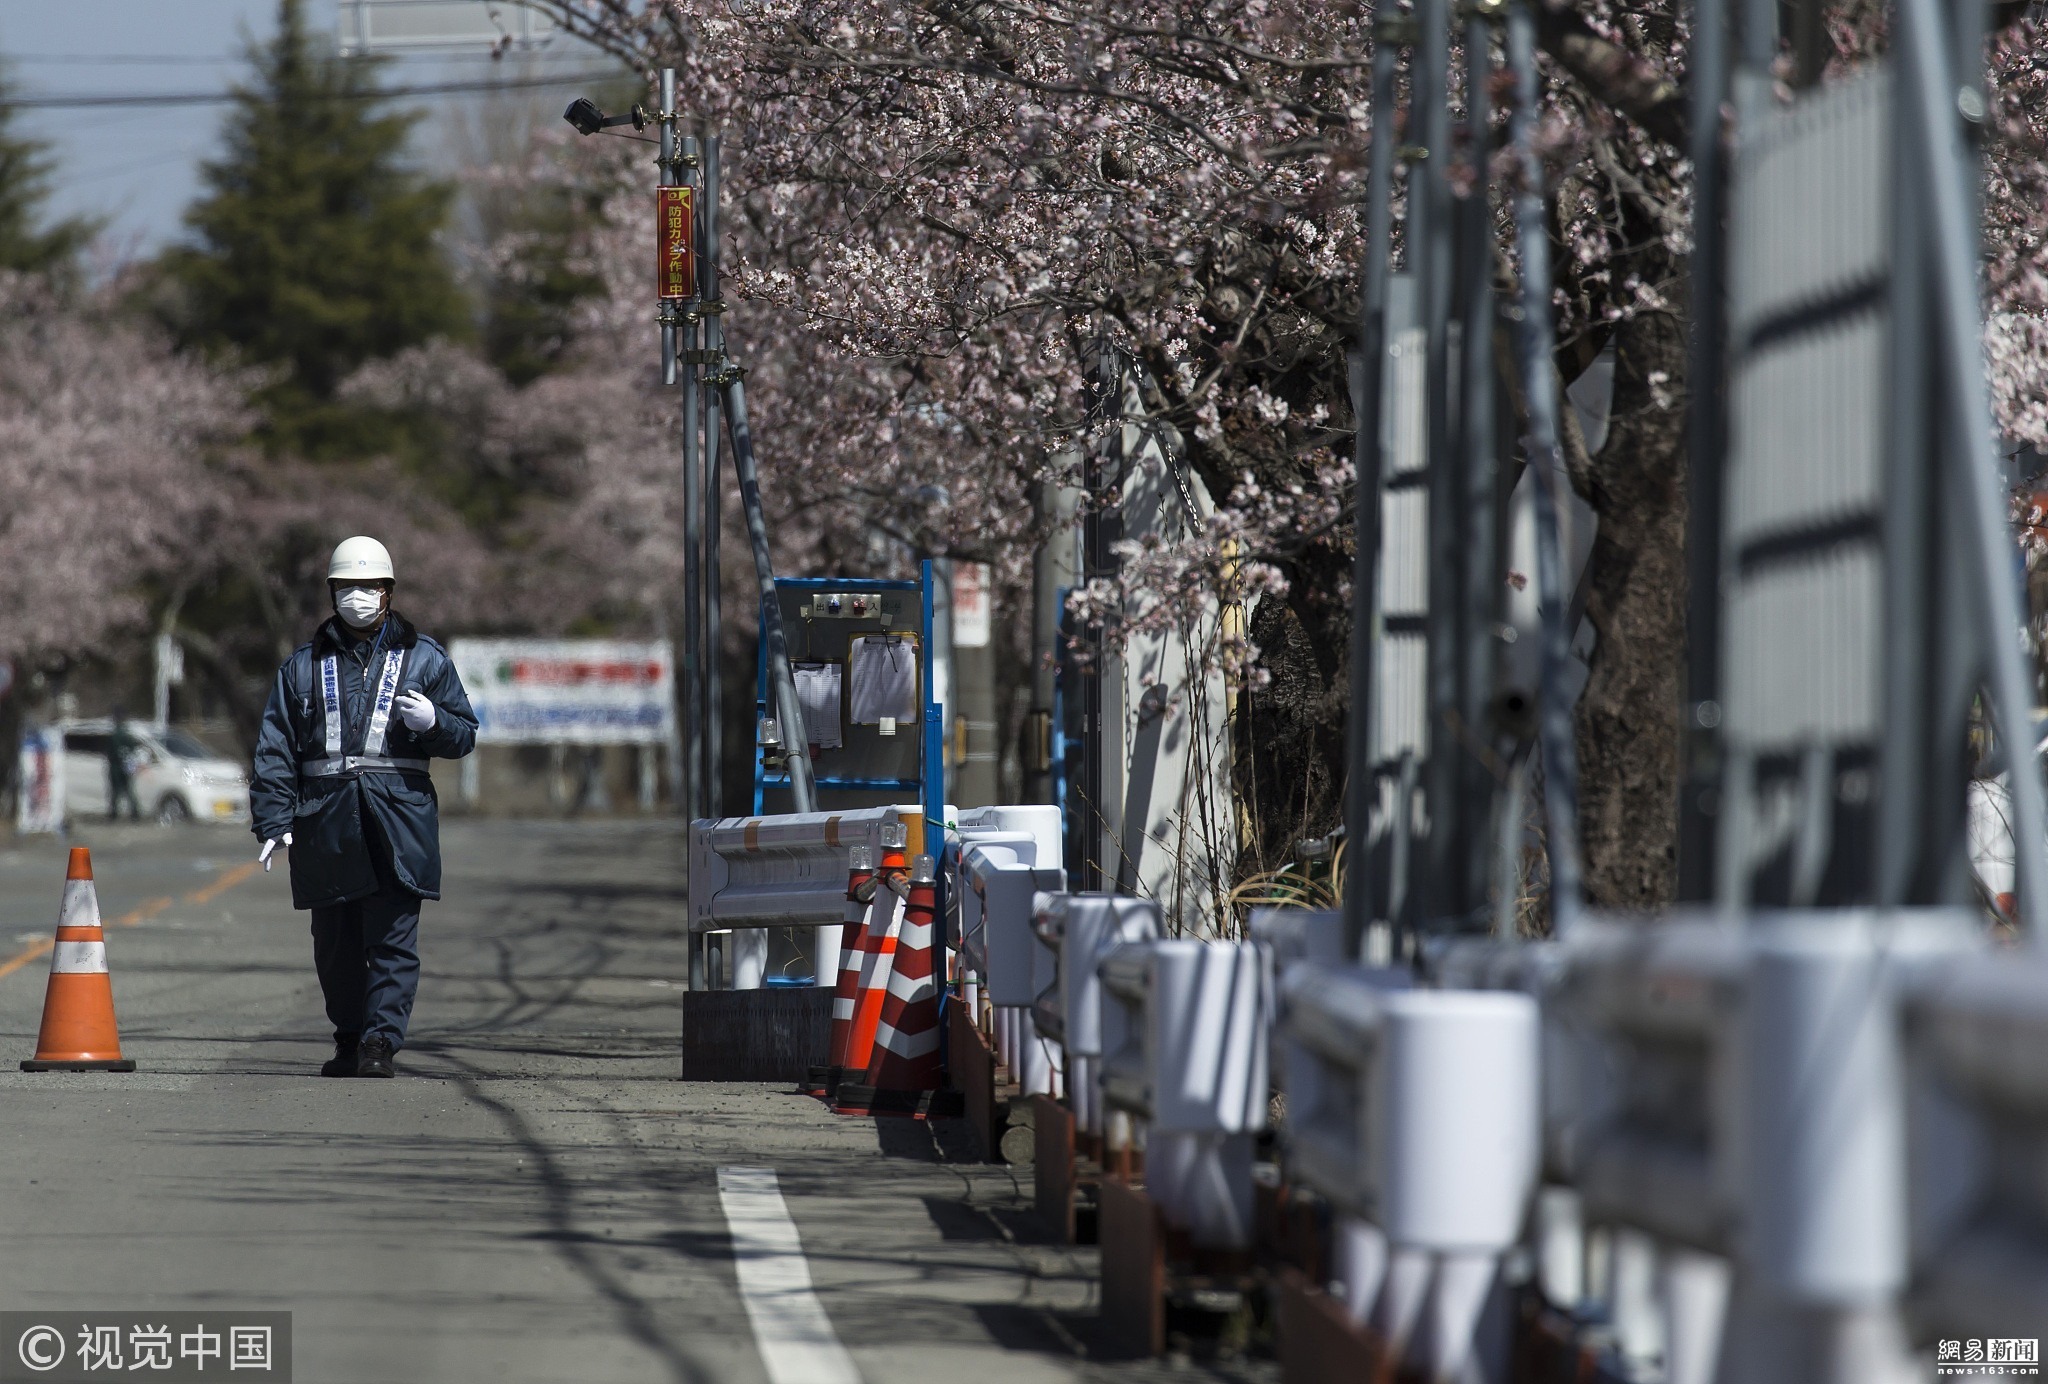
(343, 1063)
(373, 1058)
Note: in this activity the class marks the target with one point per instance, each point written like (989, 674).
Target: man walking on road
(341, 782)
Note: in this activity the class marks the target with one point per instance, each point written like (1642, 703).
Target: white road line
(790, 1326)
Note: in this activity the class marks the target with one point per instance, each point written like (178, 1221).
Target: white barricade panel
(782, 871)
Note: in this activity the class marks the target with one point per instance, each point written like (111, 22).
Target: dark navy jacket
(332, 841)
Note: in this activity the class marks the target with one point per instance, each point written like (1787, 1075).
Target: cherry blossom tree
(940, 214)
(111, 452)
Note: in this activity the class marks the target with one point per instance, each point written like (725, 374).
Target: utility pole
(693, 522)
(676, 291)
(1096, 812)
(688, 294)
(712, 296)
(1360, 787)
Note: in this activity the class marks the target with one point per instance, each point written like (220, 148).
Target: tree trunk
(1628, 719)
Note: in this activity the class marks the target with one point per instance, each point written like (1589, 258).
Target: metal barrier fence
(1789, 1146)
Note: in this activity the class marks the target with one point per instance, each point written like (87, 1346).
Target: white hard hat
(360, 559)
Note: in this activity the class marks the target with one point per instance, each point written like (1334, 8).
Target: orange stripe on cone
(78, 1031)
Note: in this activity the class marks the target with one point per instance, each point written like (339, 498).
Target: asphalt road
(536, 1198)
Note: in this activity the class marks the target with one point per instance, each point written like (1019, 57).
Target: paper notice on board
(817, 692)
(883, 672)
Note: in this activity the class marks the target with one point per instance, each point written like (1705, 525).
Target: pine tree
(25, 166)
(317, 247)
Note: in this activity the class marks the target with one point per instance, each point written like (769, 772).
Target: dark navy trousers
(367, 954)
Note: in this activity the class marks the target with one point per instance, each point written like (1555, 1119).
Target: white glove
(417, 711)
(271, 845)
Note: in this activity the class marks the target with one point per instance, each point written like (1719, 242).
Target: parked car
(177, 777)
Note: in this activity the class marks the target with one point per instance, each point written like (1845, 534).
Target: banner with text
(569, 691)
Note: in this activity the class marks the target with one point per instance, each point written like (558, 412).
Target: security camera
(588, 119)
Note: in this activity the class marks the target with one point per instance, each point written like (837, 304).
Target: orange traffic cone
(79, 1034)
(904, 1060)
(860, 875)
(877, 963)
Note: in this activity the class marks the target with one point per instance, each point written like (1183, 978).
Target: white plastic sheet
(818, 693)
(882, 669)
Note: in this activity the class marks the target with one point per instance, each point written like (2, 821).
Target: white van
(177, 779)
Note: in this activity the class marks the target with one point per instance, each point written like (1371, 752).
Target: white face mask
(361, 606)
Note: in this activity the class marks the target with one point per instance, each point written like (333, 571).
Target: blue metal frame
(931, 750)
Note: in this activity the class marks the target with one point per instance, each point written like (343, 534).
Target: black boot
(373, 1057)
(343, 1063)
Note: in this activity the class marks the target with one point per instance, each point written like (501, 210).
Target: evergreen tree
(317, 247)
(25, 167)
(530, 302)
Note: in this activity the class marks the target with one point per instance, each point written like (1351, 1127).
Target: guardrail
(999, 876)
(784, 871)
(1415, 1112)
(1977, 1117)
(1079, 930)
(1725, 1115)
(1782, 1148)
(1185, 1029)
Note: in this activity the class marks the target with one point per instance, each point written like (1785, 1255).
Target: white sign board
(972, 621)
(569, 691)
(42, 782)
(384, 26)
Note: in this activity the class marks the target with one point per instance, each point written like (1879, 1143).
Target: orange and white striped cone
(905, 1061)
(860, 893)
(878, 963)
(79, 1033)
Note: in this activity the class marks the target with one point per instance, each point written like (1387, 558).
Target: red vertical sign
(675, 271)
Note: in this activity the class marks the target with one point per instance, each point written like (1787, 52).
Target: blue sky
(139, 167)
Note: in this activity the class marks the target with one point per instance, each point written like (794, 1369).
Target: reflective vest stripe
(380, 713)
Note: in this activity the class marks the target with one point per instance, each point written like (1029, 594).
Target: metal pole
(1539, 383)
(1367, 465)
(1759, 34)
(685, 785)
(1482, 582)
(1928, 99)
(713, 638)
(693, 505)
(1912, 604)
(1101, 719)
(666, 119)
(1705, 432)
(1433, 257)
(796, 744)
